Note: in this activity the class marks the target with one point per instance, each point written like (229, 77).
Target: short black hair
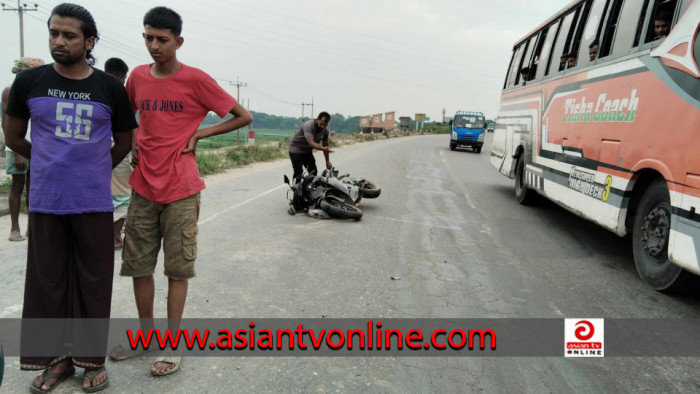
(116, 66)
(324, 115)
(164, 18)
(87, 23)
(594, 43)
(525, 70)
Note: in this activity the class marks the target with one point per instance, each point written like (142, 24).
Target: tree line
(262, 120)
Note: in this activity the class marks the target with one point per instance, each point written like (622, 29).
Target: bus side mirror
(286, 180)
(450, 123)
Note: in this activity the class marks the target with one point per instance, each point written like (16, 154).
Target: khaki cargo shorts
(147, 223)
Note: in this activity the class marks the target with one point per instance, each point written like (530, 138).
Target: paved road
(448, 226)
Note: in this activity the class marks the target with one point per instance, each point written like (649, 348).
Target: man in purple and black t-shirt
(75, 110)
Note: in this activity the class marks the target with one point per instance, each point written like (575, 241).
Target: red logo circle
(586, 331)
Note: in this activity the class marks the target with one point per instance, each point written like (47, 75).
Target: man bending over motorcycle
(306, 140)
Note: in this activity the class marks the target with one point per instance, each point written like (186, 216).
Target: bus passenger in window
(571, 60)
(525, 74)
(562, 62)
(662, 25)
(593, 50)
(533, 72)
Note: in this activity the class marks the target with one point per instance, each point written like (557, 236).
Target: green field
(229, 139)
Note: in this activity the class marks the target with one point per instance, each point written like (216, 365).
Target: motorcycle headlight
(481, 137)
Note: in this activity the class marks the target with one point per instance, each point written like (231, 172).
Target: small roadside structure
(405, 123)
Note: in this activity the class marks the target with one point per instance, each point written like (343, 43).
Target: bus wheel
(478, 150)
(453, 146)
(650, 235)
(523, 195)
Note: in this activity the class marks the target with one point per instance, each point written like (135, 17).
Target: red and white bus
(600, 113)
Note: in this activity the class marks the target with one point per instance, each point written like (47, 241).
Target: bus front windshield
(469, 122)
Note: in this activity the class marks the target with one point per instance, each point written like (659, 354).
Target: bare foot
(117, 353)
(121, 352)
(15, 236)
(96, 381)
(61, 367)
(161, 367)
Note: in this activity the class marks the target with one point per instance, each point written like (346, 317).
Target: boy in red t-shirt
(173, 99)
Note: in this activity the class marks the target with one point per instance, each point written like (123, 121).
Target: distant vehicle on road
(579, 124)
(468, 130)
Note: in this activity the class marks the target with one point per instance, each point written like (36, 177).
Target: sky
(356, 57)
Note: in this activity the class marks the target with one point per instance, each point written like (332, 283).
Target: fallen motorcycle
(323, 196)
(367, 188)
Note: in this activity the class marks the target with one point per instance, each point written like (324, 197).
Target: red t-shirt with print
(170, 112)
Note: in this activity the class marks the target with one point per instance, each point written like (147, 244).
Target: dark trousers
(70, 267)
(301, 160)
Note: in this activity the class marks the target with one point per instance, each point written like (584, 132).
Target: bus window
(545, 48)
(640, 24)
(526, 60)
(514, 73)
(572, 47)
(534, 63)
(610, 27)
(627, 26)
(509, 71)
(589, 45)
(661, 20)
(558, 60)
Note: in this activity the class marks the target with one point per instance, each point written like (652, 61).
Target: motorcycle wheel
(341, 210)
(297, 202)
(370, 190)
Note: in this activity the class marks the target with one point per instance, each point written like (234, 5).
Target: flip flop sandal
(60, 377)
(92, 375)
(170, 360)
(128, 353)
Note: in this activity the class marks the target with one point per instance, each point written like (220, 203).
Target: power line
(271, 97)
(107, 42)
(419, 81)
(413, 46)
(21, 10)
(411, 79)
(362, 56)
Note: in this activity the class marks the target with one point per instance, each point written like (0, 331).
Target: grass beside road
(5, 191)
(217, 154)
(5, 187)
(217, 160)
(230, 139)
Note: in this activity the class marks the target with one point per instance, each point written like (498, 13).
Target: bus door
(501, 145)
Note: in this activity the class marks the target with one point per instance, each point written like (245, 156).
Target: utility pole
(238, 86)
(443, 115)
(21, 9)
(303, 105)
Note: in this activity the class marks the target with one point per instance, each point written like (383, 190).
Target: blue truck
(468, 129)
